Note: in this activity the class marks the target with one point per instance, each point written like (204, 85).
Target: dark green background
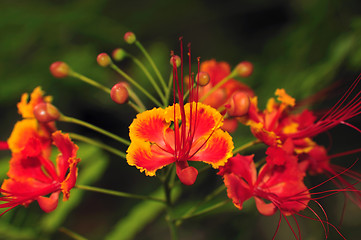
(302, 46)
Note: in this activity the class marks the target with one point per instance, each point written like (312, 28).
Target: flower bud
(46, 112)
(175, 59)
(244, 69)
(103, 60)
(129, 37)
(59, 69)
(118, 54)
(119, 93)
(203, 78)
(238, 104)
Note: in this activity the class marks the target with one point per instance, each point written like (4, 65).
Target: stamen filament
(95, 128)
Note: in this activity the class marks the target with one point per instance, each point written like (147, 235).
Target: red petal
(187, 175)
(48, 204)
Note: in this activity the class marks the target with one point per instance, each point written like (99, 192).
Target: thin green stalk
(71, 234)
(149, 58)
(219, 84)
(137, 85)
(206, 210)
(139, 104)
(169, 217)
(89, 81)
(151, 79)
(118, 193)
(95, 128)
(97, 143)
(245, 146)
(168, 91)
(206, 199)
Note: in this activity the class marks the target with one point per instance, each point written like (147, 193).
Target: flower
(178, 134)
(275, 188)
(32, 177)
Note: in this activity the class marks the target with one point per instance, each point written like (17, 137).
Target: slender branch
(150, 60)
(95, 128)
(245, 146)
(118, 193)
(206, 210)
(136, 84)
(89, 81)
(151, 79)
(71, 234)
(219, 84)
(97, 143)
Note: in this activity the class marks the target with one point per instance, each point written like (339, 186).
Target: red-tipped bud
(175, 59)
(119, 54)
(129, 37)
(103, 59)
(59, 69)
(203, 78)
(238, 104)
(119, 93)
(244, 69)
(46, 112)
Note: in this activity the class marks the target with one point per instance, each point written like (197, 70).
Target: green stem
(97, 143)
(206, 199)
(219, 84)
(137, 85)
(150, 60)
(140, 106)
(89, 81)
(167, 189)
(206, 210)
(167, 92)
(118, 194)
(151, 79)
(245, 146)
(71, 234)
(95, 128)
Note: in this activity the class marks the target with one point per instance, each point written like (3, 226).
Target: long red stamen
(344, 109)
(4, 145)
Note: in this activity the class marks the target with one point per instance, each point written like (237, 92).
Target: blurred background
(302, 46)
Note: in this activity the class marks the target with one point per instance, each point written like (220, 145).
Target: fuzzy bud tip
(244, 69)
(59, 69)
(203, 78)
(238, 104)
(46, 112)
(118, 54)
(175, 59)
(119, 93)
(103, 60)
(130, 37)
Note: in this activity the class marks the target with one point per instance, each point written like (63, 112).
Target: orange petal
(147, 157)
(149, 126)
(26, 107)
(216, 151)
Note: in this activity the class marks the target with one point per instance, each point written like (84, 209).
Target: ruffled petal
(203, 120)
(215, 151)
(148, 157)
(26, 107)
(68, 151)
(149, 126)
(237, 190)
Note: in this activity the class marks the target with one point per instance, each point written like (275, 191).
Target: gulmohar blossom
(178, 134)
(32, 177)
